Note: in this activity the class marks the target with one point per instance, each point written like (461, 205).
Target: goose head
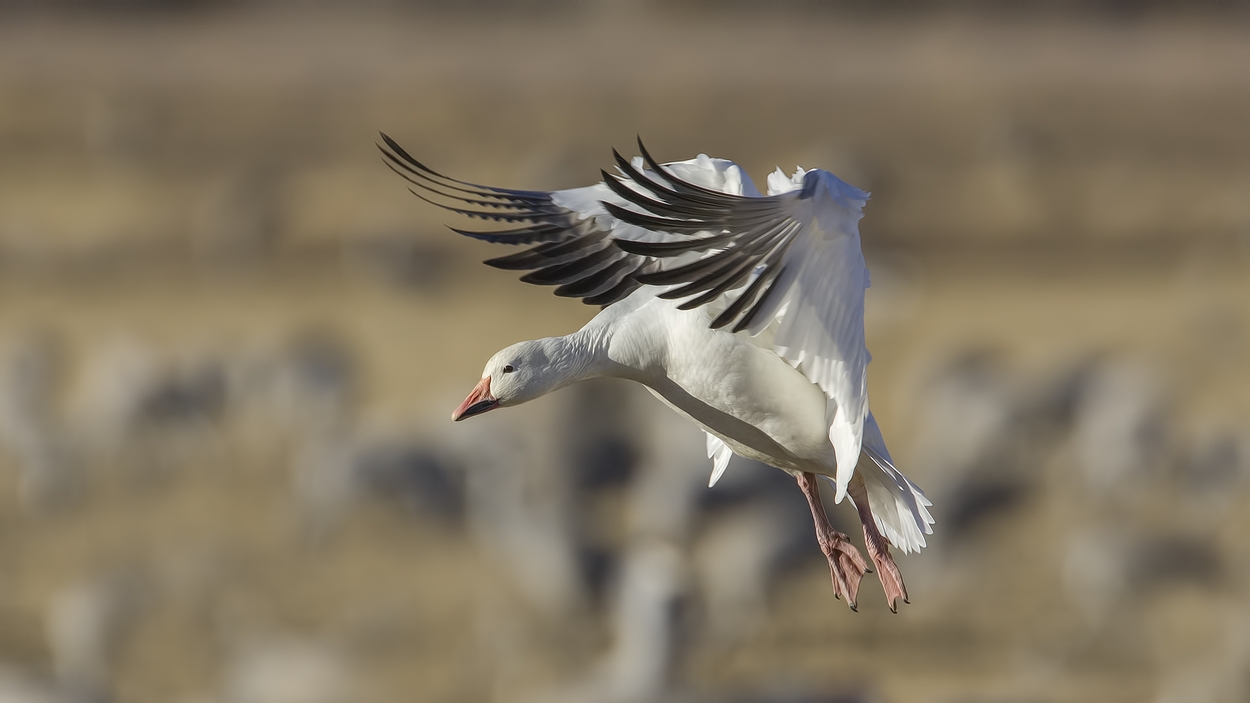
(516, 374)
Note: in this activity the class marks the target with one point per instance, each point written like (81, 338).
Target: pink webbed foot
(878, 548)
(846, 565)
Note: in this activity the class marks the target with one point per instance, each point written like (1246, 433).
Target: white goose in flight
(741, 311)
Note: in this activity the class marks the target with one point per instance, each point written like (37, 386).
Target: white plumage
(720, 454)
(742, 311)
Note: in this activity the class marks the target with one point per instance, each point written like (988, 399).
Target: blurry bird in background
(29, 427)
(742, 311)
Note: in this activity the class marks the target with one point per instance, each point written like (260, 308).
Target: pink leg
(846, 565)
(878, 547)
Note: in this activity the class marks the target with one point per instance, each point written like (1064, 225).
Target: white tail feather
(898, 506)
(720, 454)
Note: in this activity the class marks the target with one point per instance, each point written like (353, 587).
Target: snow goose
(741, 311)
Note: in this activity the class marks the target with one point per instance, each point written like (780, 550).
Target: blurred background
(230, 342)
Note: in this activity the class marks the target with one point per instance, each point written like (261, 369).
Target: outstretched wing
(570, 249)
(790, 262)
(575, 239)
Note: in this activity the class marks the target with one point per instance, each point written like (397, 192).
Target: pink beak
(478, 402)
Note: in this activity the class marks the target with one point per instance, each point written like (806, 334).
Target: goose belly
(743, 393)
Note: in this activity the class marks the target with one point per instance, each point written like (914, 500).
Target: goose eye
(508, 369)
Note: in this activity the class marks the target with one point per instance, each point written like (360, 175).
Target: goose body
(741, 311)
(742, 393)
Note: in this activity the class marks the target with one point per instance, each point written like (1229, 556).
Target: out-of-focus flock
(599, 507)
(228, 472)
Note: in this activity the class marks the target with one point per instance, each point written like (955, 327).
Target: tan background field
(230, 341)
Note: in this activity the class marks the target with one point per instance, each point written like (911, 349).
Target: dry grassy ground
(199, 192)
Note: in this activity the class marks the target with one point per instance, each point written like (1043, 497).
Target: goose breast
(739, 391)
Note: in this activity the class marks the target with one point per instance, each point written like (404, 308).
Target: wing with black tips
(700, 233)
(568, 249)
